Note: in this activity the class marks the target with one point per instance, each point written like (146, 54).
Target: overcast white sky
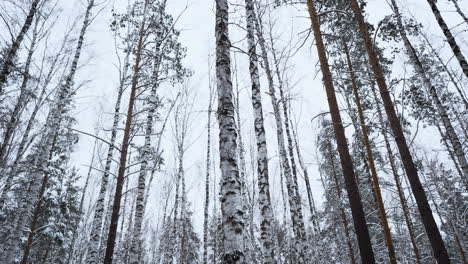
(197, 25)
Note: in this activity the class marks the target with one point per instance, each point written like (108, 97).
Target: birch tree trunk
(71, 255)
(96, 226)
(10, 55)
(370, 157)
(450, 38)
(62, 101)
(153, 104)
(362, 232)
(207, 182)
(459, 11)
(442, 113)
(29, 127)
(21, 101)
(125, 146)
(449, 72)
(295, 208)
(430, 225)
(266, 214)
(231, 197)
(310, 197)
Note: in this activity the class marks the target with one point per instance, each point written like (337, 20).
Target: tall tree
(370, 158)
(294, 198)
(7, 63)
(97, 219)
(365, 247)
(231, 206)
(431, 90)
(449, 36)
(266, 213)
(426, 214)
(44, 149)
(110, 245)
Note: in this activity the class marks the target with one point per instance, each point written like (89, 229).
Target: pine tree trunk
(153, 104)
(266, 214)
(396, 177)
(93, 246)
(426, 214)
(295, 207)
(231, 197)
(125, 146)
(342, 211)
(370, 157)
(21, 101)
(450, 38)
(10, 55)
(362, 232)
(442, 113)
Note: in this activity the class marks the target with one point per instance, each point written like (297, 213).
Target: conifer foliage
(233, 131)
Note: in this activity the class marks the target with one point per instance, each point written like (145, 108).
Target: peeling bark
(266, 214)
(294, 199)
(231, 197)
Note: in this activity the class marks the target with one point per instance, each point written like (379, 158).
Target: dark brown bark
(342, 211)
(362, 232)
(370, 157)
(125, 146)
(396, 177)
(430, 225)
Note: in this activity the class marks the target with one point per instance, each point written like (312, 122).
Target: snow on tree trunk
(96, 226)
(396, 177)
(153, 104)
(452, 135)
(112, 234)
(430, 225)
(294, 199)
(76, 233)
(62, 101)
(370, 157)
(10, 55)
(362, 232)
(207, 180)
(264, 199)
(450, 38)
(21, 101)
(342, 211)
(310, 197)
(231, 197)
